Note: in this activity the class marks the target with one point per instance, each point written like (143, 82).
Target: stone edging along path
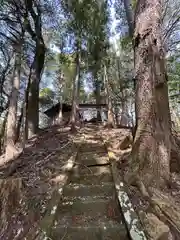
(131, 218)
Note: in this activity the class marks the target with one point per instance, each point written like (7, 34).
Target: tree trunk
(129, 16)
(26, 104)
(117, 114)
(2, 81)
(33, 103)
(24, 125)
(2, 133)
(130, 20)
(75, 94)
(98, 96)
(97, 93)
(152, 142)
(12, 111)
(124, 110)
(35, 10)
(18, 131)
(60, 115)
(110, 122)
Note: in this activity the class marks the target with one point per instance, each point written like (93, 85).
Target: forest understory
(30, 182)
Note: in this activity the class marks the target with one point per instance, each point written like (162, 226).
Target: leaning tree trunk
(75, 94)
(152, 142)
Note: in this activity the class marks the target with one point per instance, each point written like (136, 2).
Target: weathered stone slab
(91, 179)
(90, 233)
(104, 189)
(93, 158)
(84, 170)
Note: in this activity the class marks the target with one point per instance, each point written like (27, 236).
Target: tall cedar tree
(152, 143)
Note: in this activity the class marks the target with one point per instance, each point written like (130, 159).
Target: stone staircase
(89, 209)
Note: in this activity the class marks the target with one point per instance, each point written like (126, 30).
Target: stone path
(89, 209)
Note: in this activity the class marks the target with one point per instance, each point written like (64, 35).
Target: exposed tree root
(124, 127)
(109, 125)
(73, 128)
(155, 228)
(168, 209)
(164, 209)
(125, 143)
(162, 212)
(162, 217)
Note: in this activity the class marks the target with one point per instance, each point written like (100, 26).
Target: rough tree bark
(130, 20)
(152, 142)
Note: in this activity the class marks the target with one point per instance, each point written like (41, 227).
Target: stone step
(92, 211)
(80, 169)
(75, 190)
(101, 232)
(88, 147)
(92, 158)
(86, 198)
(91, 179)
